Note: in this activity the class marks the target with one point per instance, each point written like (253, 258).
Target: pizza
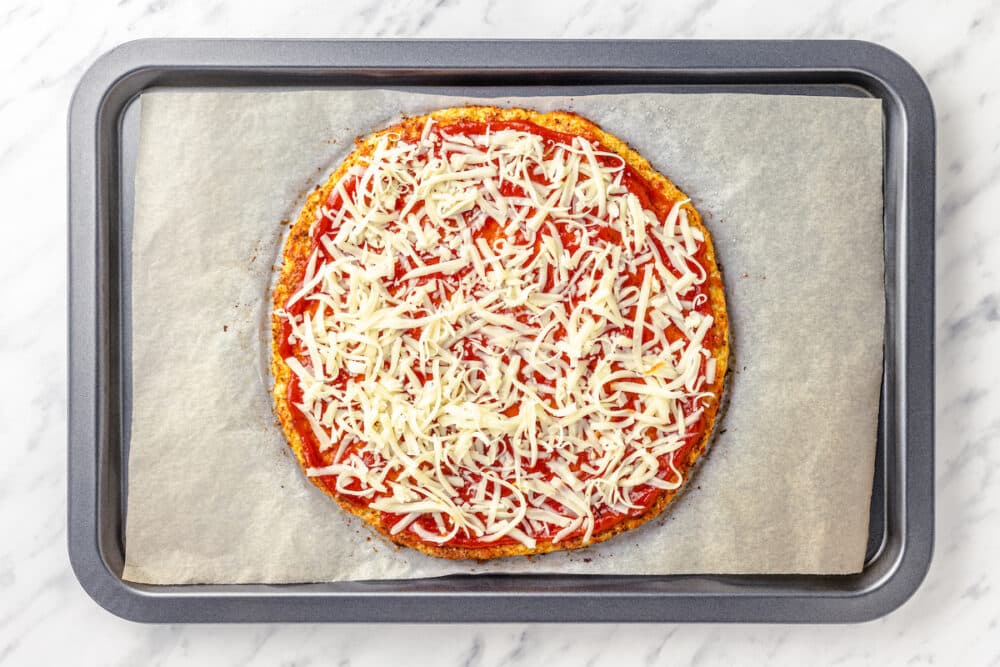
(498, 332)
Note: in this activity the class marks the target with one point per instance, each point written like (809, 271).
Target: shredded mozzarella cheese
(478, 356)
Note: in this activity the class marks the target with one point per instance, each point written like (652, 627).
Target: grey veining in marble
(45, 618)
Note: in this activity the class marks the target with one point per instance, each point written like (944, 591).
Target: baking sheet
(791, 189)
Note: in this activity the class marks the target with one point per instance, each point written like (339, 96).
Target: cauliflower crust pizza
(498, 332)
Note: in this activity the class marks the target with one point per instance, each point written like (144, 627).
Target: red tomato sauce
(650, 196)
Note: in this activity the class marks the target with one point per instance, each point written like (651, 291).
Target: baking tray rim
(905, 557)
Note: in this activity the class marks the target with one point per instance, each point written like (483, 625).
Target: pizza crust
(296, 253)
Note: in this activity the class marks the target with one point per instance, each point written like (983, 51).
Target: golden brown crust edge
(297, 248)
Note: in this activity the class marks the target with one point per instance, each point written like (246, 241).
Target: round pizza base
(296, 253)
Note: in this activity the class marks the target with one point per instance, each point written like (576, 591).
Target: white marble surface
(46, 618)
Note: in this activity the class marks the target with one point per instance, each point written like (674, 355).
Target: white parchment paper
(791, 188)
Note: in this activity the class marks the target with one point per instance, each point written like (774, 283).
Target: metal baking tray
(103, 133)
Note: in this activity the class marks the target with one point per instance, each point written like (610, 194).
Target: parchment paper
(791, 188)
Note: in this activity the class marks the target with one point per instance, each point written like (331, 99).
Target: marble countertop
(45, 617)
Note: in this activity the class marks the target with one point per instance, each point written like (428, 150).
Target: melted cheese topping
(481, 337)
